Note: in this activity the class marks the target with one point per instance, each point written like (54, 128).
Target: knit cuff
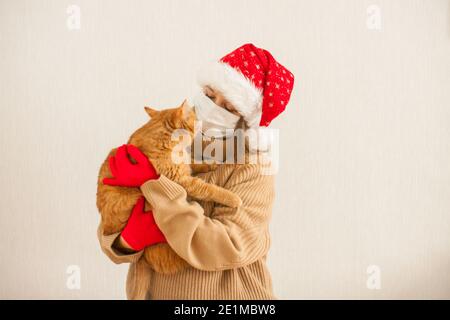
(109, 240)
(107, 244)
(162, 185)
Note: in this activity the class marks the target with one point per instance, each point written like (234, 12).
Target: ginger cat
(154, 140)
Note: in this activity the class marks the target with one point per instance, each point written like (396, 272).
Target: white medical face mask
(215, 120)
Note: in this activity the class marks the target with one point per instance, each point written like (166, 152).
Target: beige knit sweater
(225, 247)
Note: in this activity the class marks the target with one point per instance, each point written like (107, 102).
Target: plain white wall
(365, 157)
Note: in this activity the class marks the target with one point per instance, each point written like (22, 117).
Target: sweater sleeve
(107, 246)
(230, 237)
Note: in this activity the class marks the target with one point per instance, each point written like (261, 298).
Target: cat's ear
(151, 112)
(185, 109)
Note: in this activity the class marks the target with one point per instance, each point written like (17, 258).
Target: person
(226, 248)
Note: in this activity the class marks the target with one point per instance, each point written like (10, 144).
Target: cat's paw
(202, 168)
(234, 201)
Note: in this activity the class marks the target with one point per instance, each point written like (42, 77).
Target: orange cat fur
(154, 139)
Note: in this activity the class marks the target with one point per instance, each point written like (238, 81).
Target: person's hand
(128, 174)
(141, 230)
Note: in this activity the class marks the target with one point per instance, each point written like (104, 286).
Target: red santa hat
(252, 80)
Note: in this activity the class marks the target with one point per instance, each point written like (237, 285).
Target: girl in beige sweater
(226, 248)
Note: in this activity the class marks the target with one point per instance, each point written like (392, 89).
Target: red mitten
(141, 230)
(128, 174)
